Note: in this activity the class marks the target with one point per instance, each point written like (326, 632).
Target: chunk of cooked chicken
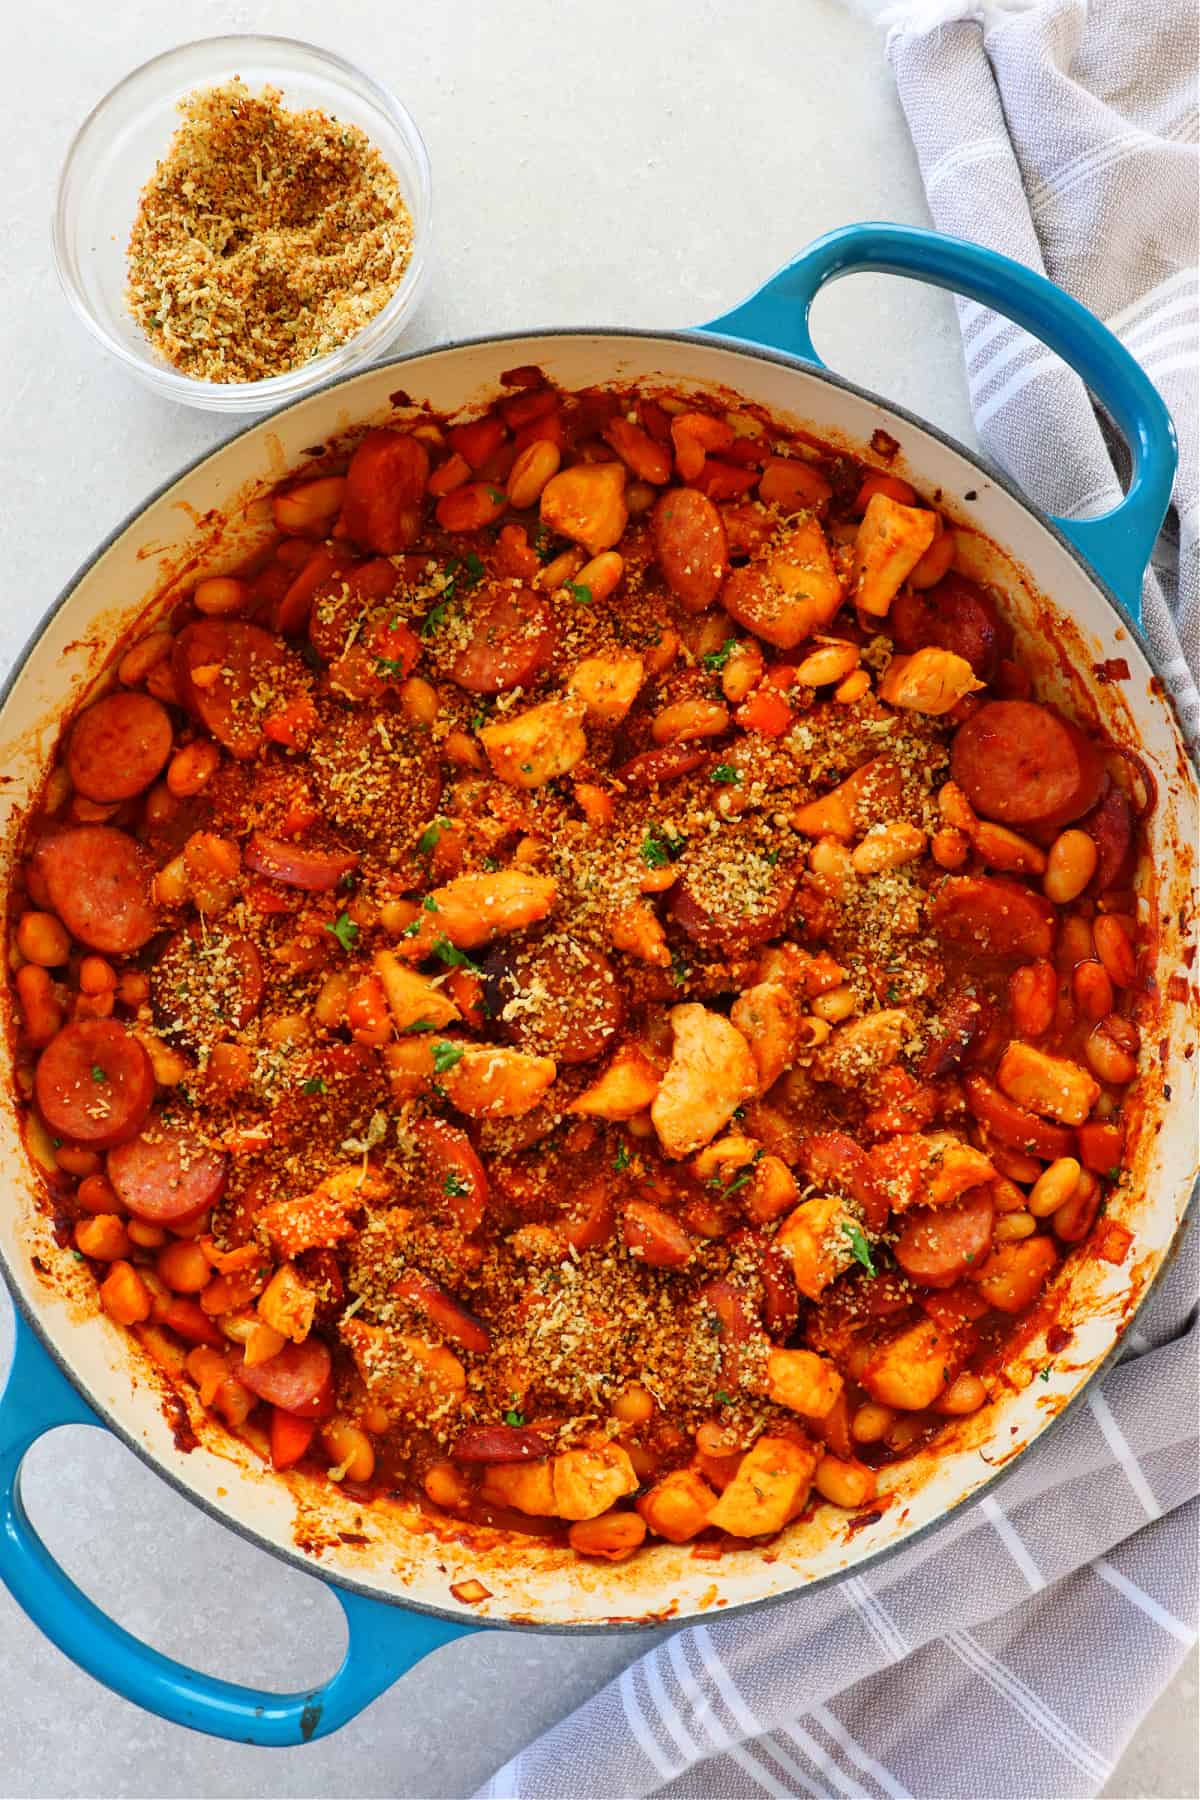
(587, 504)
(710, 1074)
(813, 1241)
(768, 1017)
(891, 541)
(803, 1382)
(535, 747)
(637, 929)
(1054, 1086)
(791, 592)
(608, 685)
(929, 681)
(473, 909)
(402, 1372)
(910, 1370)
(527, 1487)
(678, 1507)
(771, 1485)
(490, 1081)
(928, 1169)
(627, 1087)
(854, 804)
(859, 1048)
(287, 1304)
(588, 1482)
(412, 998)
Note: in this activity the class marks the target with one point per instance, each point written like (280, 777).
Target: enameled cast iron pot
(1073, 587)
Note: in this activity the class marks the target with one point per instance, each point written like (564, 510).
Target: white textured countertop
(641, 162)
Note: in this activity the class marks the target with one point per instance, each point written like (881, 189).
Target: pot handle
(1119, 543)
(385, 1641)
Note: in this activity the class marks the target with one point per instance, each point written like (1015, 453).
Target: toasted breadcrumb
(264, 238)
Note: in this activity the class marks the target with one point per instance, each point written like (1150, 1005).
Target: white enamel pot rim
(541, 1589)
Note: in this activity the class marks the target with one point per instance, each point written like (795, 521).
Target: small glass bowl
(114, 153)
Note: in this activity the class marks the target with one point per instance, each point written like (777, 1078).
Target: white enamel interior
(527, 1582)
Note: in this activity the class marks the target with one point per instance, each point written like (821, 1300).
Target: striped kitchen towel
(1009, 1655)
(1013, 1652)
(1064, 134)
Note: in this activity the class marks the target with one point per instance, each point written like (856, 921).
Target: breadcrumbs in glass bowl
(242, 219)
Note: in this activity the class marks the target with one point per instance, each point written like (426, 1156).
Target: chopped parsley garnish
(387, 665)
(435, 618)
(445, 1056)
(429, 904)
(1044, 1374)
(314, 1085)
(345, 931)
(679, 969)
(716, 659)
(491, 864)
(455, 1186)
(725, 775)
(739, 1180)
(893, 993)
(478, 721)
(498, 498)
(721, 1398)
(622, 1159)
(513, 1417)
(420, 1025)
(579, 592)
(461, 577)
(859, 1247)
(431, 835)
(453, 957)
(543, 548)
(659, 847)
(98, 1073)
(772, 858)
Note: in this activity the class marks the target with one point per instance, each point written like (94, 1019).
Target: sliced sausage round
(118, 746)
(1022, 763)
(339, 592)
(294, 865)
(956, 615)
(690, 543)
(651, 768)
(998, 917)
(963, 1019)
(206, 984)
(166, 1175)
(447, 1315)
(385, 483)
(98, 881)
(832, 1160)
(1110, 827)
(499, 1443)
(512, 639)
(720, 907)
(941, 1243)
(654, 1237)
(457, 1173)
(299, 1379)
(230, 676)
(94, 1083)
(375, 775)
(561, 1000)
(1013, 1125)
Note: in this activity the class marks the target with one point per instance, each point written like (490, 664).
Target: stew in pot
(584, 984)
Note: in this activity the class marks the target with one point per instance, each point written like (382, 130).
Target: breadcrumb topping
(264, 238)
